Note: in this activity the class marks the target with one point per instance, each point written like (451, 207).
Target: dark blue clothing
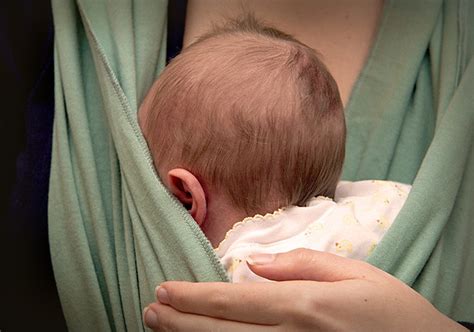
(28, 291)
(27, 77)
(176, 20)
(29, 297)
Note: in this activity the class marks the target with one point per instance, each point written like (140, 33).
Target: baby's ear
(189, 191)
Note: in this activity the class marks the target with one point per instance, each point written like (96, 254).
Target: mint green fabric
(115, 232)
(411, 119)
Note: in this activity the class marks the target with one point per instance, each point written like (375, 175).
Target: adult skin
(342, 31)
(316, 291)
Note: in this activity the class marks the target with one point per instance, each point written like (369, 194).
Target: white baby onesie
(351, 225)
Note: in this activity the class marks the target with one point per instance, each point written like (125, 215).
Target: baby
(246, 128)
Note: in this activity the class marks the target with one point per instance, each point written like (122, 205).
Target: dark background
(28, 295)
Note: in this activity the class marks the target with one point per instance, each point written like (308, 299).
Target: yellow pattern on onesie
(351, 225)
(344, 246)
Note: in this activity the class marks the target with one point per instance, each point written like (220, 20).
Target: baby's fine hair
(253, 112)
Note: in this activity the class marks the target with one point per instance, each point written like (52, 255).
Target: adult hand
(316, 291)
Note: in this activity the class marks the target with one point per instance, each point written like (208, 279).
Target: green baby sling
(115, 232)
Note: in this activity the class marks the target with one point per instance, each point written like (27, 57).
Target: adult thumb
(306, 264)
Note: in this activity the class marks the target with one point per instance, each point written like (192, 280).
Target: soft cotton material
(115, 232)
(351, 225)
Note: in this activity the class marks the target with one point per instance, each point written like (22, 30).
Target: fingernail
(150, 317)
(260, 259)
(162, 295)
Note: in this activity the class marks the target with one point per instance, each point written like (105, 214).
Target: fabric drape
(115, 231)
(411, 119)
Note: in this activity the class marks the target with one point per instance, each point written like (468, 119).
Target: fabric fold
(115, 232)
(411, 119)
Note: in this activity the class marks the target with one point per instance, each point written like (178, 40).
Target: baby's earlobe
(189, 191)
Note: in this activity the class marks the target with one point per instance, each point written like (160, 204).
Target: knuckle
(219, 303)
(303, 254)
(305, 311)
(303, 258)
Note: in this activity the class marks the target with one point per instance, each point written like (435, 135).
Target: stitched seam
(125, 107)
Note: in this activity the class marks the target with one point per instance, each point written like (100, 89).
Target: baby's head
(253, 115)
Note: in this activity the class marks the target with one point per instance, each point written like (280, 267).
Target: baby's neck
(221, 215)
(219, 220)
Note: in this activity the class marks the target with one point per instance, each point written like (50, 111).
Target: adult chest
(341, 31)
